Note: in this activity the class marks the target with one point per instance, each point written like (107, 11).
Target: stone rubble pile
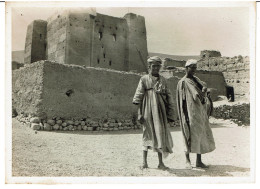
(238, 113)
(82, 125)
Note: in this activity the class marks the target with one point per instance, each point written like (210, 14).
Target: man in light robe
(155, 111)
(193, 107)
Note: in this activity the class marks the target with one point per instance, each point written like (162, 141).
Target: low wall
(27, 88)
(91, 92)
(49, 90)
(239, 113)
(71, 94)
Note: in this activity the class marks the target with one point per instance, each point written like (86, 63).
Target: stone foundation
(85, 124)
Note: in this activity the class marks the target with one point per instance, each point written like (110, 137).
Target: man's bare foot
(188, 165)
(201, 165)
(162, 167)
(144, 166)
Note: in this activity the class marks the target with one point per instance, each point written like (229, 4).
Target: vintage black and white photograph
(130, 91)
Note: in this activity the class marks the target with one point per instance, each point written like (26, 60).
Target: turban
(191, 62)
(154, 59)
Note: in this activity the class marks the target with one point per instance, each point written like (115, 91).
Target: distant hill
(18, 56)
(175, 57)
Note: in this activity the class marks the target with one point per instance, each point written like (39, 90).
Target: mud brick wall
(215, 80)
(171, 62)
(239, 113)
(236, 71)
(48, 90)
(77, 92)
(79, 38)
(27, 88)
(35, 42)
(57, 37)
(110, 43)
(137, 42)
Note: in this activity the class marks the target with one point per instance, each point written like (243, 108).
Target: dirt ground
(119, 153)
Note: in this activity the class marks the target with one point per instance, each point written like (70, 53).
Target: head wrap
(191, 62)
(154, 60)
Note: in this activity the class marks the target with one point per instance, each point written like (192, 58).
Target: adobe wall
(236, 71)
(209, 53)
(27, 87)
(57, 37)
(173, 63)
(137, 42)
(215, 80)
(48, 90)
(28, 44)
(95, 93)
(35, 42)
(79, 38)
(109, 49)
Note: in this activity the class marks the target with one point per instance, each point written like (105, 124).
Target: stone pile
(239, 113)
(61, 124)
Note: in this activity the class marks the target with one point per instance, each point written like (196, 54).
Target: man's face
(192, 69)
(155, 68)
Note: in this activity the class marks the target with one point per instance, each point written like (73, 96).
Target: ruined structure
(83, 37)
(209, 53)
(171, 63)
(236, 71)
(84, 67)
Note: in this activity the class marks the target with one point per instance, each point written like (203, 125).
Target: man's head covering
(191, 62)
(154, 60)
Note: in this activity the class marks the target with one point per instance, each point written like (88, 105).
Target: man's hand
(141, 120)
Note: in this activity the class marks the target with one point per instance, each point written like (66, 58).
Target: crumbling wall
(109, 48)
(236, 71)
(35, 42)
(137, 42)
(209, 53)
(27, 88)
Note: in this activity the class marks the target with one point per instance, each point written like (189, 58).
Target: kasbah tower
(86, 38)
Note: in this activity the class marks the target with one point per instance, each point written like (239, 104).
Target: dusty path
(118, 153)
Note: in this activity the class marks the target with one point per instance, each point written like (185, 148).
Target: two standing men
(156, 110)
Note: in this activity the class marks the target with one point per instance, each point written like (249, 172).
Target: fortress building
(84, 37)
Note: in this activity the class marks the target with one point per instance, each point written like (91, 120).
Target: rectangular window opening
(100, 35)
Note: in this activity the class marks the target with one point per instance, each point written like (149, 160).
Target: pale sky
(176, 31)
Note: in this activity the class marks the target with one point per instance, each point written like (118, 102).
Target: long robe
(192, 106)
(156, 108)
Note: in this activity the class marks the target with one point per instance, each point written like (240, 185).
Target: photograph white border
(65, 180)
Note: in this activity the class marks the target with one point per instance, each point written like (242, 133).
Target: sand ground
(119, 153)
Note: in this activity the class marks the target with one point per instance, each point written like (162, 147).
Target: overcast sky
(176, 31)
